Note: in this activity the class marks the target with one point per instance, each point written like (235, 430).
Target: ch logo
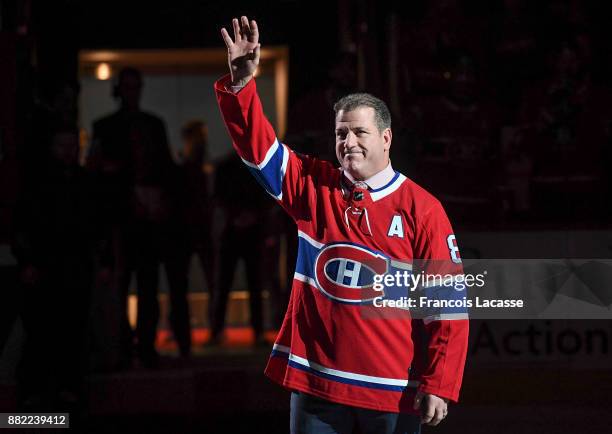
(345, 272)
(348, 271)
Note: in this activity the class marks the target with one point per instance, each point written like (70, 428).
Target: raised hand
(243, 52)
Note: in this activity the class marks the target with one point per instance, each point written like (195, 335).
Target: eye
(341, 134)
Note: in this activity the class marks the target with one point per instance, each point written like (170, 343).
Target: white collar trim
(378, 180)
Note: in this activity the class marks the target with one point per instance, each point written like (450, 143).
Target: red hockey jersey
(334, 343)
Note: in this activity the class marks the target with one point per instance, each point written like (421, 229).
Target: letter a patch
(396, 228)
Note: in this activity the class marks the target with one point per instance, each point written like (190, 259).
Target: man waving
(348, 362)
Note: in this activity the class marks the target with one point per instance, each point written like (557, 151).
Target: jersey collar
(379, 185)
(378, 180)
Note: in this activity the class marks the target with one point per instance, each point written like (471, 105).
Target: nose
(350, 140)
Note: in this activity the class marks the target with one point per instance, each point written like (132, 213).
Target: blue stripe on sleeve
(270, 175)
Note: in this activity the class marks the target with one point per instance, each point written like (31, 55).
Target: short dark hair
(350, 102)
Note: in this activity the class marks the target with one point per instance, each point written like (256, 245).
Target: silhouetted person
(55, 239)
(55, 104)
(278, 229)
(244, 206)
(130, 155)
(9, 187)
(193, 228)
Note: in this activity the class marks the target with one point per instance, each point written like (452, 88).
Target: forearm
(251, 132)
(447, 351)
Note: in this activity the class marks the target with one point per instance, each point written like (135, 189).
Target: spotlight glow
(103, 71)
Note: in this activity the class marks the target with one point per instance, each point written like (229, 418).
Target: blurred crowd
(83, 225)
(499, 108)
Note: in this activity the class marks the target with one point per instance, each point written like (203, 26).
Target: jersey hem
(299, 387)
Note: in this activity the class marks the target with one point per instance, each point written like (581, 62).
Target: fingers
(257, 53)
(237, 35)
(428, 413)
(226, 38)
(417, 400)
(439, 414)
(244, 25)
(249, 30)
(246, 29)
(433, 409)
(434, 413)
(255, 32)
(243, 30)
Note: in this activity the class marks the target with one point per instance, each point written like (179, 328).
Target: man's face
(361, 148)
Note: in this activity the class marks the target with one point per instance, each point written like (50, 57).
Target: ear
(387, 136)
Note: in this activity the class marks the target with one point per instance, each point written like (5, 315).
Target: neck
(376, 180)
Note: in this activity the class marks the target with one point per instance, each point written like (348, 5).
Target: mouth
(353, 153)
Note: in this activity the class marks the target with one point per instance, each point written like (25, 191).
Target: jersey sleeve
(281, 172)
(446, 328)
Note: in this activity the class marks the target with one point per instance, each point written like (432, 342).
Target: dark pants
(284, 228)
(9, 308)
(312, 415)
(236, 244)
(55, 315)
(189, 240)
(143, 247)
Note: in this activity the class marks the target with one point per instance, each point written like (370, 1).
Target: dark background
(511, 60)
(504, 116)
